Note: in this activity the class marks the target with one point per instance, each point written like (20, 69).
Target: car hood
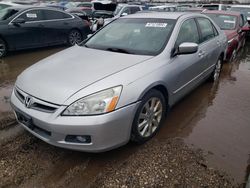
(230, 34)
(58, 77)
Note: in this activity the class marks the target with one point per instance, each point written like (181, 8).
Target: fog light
(78, 139)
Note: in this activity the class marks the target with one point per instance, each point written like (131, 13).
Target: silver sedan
(119, 85)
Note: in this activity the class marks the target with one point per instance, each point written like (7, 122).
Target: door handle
(201, 53)
(218, 42)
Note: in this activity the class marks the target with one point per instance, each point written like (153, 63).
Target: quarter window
(207, 30)
(32, 15)
(55, 15)
(188, 33)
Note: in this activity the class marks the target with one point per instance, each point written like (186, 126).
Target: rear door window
(55, 15)
(206, 28)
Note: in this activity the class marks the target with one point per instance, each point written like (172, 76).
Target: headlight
(98, 103)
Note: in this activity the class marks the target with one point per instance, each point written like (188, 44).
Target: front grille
(36, 104)
(19, 96)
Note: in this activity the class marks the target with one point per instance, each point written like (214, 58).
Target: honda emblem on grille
(28, 101)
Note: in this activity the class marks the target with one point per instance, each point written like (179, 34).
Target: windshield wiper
(119, 50)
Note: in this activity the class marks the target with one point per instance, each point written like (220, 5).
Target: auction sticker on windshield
(156, 25)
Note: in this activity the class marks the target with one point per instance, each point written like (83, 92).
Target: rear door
(57, 26)
(210, 43)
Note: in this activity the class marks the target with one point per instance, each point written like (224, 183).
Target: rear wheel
(217, 70)
(149, 116)
(74, 37)
(3, 48)
(233, 56)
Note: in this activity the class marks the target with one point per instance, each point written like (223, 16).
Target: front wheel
(74, 37)
(217, 70)
(3, 48)
(149, 116)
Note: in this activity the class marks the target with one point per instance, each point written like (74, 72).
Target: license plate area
(25, 119)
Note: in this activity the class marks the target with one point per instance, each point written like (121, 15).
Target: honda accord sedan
(119, 85)
(23, 27)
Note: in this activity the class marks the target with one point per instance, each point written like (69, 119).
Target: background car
(22, 28)
(234, 25)
(120, 83)
(215, 6)
(6, 5)
(245, 9)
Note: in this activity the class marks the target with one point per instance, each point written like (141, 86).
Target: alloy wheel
(217, 70)
(150, 117)
(2, 49)
(75, 37)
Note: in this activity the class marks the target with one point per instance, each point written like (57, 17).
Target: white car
(245, 9)
(6, 4)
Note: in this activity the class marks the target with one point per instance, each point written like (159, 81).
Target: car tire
(74, 37)
(233, 56)
(149, 117)
(216, 72)
(3, 48)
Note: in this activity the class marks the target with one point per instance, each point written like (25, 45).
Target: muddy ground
(204, 142)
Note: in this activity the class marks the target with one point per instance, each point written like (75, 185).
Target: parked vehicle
(87, 7)
(120, 11)
(245, 9)
(234, 25)
(163, 8)
(120, 83)
(126, 9)
(215, 6)
(6, 5)
(198, 10)
(22, 28)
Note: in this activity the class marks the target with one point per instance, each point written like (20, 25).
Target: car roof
(27, 7)
(241, 6)
(230, 13)
(8, 3)
(128, 5)
(160, 15)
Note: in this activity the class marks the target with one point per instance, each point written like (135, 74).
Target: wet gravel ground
(204, 142)
(25, 161)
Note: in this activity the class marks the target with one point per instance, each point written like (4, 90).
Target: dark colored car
(31, 27)
(234, 24)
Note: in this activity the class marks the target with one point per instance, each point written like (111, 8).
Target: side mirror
(187, 48)
(245, 28)
(18, 21)
(124, 14)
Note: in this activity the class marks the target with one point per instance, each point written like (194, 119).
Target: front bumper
(107, 131)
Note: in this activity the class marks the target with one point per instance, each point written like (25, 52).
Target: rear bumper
(107, 131)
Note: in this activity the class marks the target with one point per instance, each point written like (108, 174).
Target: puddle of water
(11, 66)
(215, 118)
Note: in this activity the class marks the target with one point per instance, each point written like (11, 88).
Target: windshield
(133, 36)
(7, 13)
(225, 22)
(243, 10)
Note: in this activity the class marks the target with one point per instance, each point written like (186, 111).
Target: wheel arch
(6, 43)
(157, 86)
